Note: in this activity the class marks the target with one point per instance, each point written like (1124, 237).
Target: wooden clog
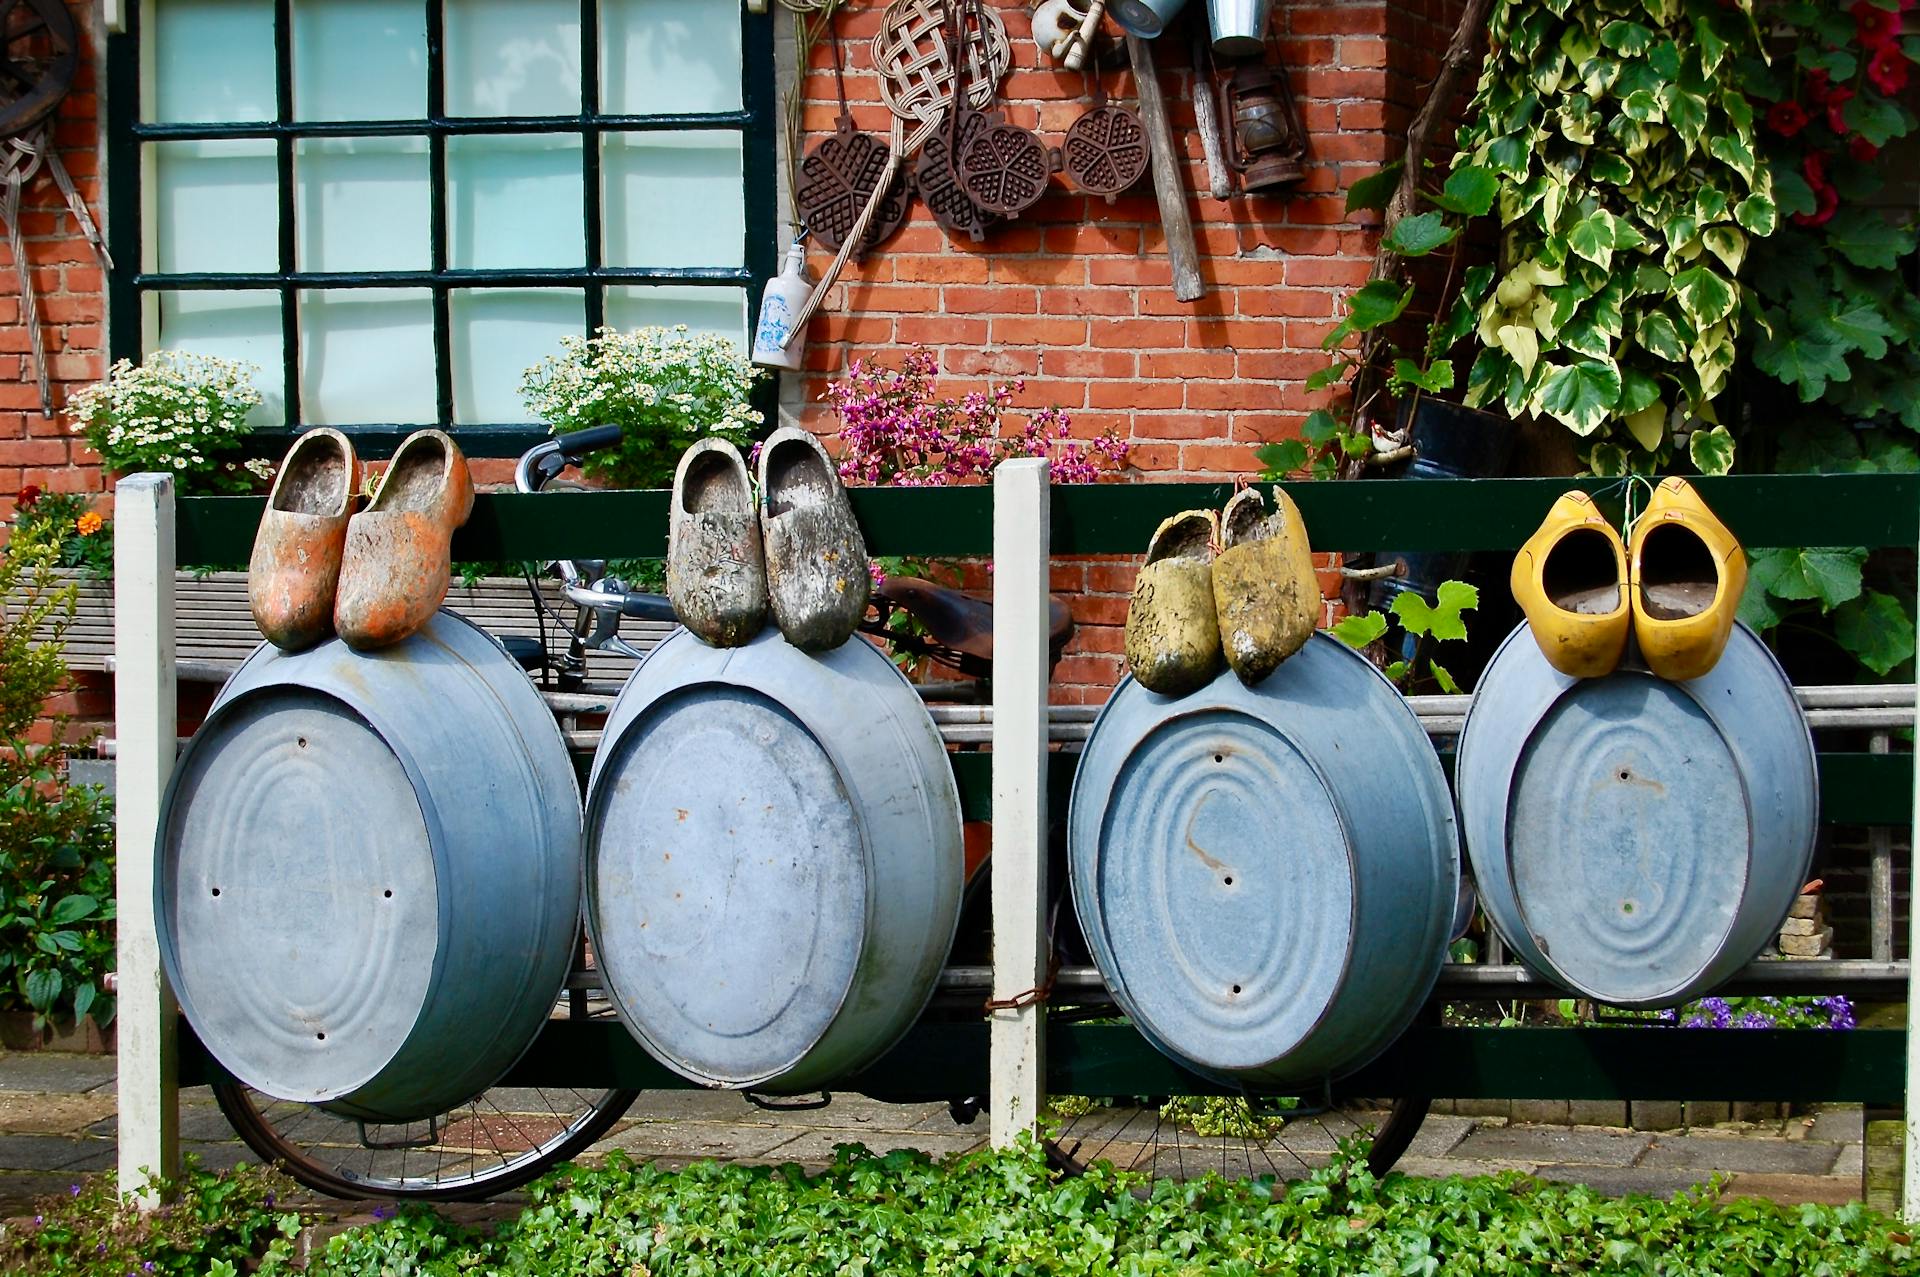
(1570, 579)
(295, 568)
(1173, 634)
(817, 578)
(1265, 594)
(1688, 576)
(399, 552)
(716, 572)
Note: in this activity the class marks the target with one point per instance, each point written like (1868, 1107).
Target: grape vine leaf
(1876, 629)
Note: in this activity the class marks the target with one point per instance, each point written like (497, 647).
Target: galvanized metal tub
(1266, 875)
(774, 860)
(1637, 841)
(369, 886)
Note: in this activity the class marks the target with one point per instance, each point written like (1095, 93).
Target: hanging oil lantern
(1268, 145)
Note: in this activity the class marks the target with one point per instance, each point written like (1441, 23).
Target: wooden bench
(214, 631)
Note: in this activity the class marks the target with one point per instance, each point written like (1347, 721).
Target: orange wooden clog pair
(1674, 585)
(321, 565)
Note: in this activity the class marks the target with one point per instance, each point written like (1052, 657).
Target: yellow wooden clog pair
(1674, 585)
(1238, 585)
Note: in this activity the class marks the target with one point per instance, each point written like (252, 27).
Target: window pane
(232, 325)
(513, 57)
(662, 57)
(362, 203)
(366, 354)
(515, 201)
(359, 59)
(704, 310)
(674, 199)
(216, 206)
(212, 62)
(497, 335)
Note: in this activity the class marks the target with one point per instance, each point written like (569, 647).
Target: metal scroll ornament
(1005, 168)
(838, 177)
(1105, 151)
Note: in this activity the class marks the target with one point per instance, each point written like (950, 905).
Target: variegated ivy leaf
(1712, 356)
(1757, 214)
(1637, 392)
(1710, 206)
(1608, 460)
(1657, 333)
(1604, 166)
(1686, 111)
(1522, 345)
(1592, 238)
(1711, 450)
(1629, 39)
(1728, 244)
(1581, 396)
(1648, 426)
(1704, 295)
(1734, 151)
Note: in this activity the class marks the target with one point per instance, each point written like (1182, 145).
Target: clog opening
(1582, 574)
(1678, 577)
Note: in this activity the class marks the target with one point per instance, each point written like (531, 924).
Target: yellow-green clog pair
(1239, 585)
(1674, 585)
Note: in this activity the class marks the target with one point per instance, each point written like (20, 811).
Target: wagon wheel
(497, 1141)
(39, 53)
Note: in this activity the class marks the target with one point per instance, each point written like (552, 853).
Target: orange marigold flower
(88, 524)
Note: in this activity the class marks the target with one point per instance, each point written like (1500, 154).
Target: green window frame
(138, 286)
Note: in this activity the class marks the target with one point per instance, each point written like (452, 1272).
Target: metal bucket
(1266, 875)
(1637, 841)
(369, 886)
(774, 860)
(1239, 27)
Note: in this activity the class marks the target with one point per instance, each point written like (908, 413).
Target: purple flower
(73, 1190)
(1667, 1016)
(1756, 1020)
(383, 1212)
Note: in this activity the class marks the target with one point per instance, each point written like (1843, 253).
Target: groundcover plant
(1006, 1212)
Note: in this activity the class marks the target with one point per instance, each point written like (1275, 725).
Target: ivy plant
(1630, 188)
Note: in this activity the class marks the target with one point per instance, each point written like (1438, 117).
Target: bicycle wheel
(499, 1140)
(1137, 1137)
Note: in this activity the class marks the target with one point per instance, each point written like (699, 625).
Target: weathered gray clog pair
(1238, 585)
(797, 549)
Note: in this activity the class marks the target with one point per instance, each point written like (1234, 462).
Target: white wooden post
(1017, 1073)
(144, 711)
(1910, 1109)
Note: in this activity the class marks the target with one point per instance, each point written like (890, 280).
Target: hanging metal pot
(1144, 18)
(1239, 27)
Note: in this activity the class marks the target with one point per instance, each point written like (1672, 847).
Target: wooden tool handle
(1206, 114)
(1182, 254)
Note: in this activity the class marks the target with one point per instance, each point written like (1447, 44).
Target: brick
(1138, 334)
(1133, 394)
(1000, 361)
(33, 452)
(941, 330)
(999, 300)
(1088, 363)
(1039, 332)
(942, 270)
(1187, 363)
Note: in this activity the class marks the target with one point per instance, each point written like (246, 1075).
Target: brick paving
(57, 1123)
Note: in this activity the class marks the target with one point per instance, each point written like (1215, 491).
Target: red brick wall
(35, 449)
(1076, 298)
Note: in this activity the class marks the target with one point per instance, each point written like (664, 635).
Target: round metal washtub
(1266, 875)
(369, 886)
(774, 860)
(1637, 841)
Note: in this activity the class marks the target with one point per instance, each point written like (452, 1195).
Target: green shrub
(56, 839)
(211, 1226)
(995, 1213)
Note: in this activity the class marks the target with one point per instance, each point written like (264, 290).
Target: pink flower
(27, 496)
(1862, 150)
(1826, 200)
(1877, 27)
(1836, 104)
(1818, 86)
(1888, 69)
(1787, 118)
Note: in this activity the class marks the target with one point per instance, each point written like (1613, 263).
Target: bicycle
(508, 1136)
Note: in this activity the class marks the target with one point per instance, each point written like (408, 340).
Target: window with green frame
(393, 207)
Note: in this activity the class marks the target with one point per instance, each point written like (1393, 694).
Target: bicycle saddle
(964, 623)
